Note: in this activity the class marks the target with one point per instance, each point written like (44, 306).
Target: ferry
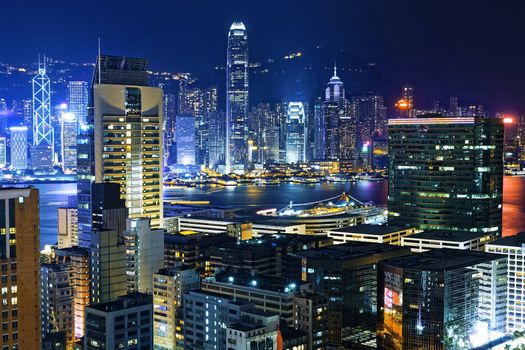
(343, 204)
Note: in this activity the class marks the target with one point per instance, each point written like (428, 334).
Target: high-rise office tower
(3, 151)
(216, 139)
(125, 323)
(169, 286)
(19, 257)
(77, 260)
(68, 134)
(57, 301)
(237, 97)
(144, 248)
(185, 138)
(295, 133)
(18, 147)
(108, 266)
(123, 140)
(328, 120)
(201, 104)
(77, 96)
(43, 132)
(441, 299)
(67, 227)
(405, 105)
(446, 173)
(348, 132)
(169, 110)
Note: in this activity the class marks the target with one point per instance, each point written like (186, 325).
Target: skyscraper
(185, 138)
(67, 227)
(20, 283)
(328, 117)
(43, 133)
(69, 131)
(169, 150)
(237, 97)
(78, 92)
(18, 147)
(123, 141)
(3, 151)
(446, 173)
(295, 133)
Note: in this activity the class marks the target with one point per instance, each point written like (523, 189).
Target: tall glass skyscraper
(18, 147)
(295, 133)
(68, 134)
(185, 136)
(77, 92)
(237, 97)
(446, 173)
(43, 133)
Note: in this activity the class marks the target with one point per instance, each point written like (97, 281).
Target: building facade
(19, 154)
(446, 173)
(237, 97)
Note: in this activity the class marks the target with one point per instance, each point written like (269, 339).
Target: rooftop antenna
(335, 68)
(44, 62)
(99, 78)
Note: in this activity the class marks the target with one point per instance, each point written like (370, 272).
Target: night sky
(471, 49)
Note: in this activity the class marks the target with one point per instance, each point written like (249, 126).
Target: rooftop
(245, 326)
(124, 302)
(349, 251)
(442, 260)
(448, 235)
(518, 240)
(368, 229)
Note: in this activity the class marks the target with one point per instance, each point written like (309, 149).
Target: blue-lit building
(43, 132)
(19, 147)
(185, 138)
(295, 133)
(77, 96)
(237, 97)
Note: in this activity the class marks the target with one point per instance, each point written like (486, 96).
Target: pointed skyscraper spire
(335, 69)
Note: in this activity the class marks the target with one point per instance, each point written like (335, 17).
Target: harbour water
(53, 196)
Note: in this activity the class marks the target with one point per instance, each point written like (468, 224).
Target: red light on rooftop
(508, 120)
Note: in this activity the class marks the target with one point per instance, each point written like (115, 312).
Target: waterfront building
(295, 133)
(68, 134)
(346, 274)
(441, 299)
(125, 323)
(216, 139)
(3, 151)
(144, 248)
(19, 258)
(202, 105)
(237, 97)
(513, 247)
(168, 129)
(56, 301)
(77, 97)
(437, 239)
(169, 286)
(371, 233)
(67, 227)
(77, 260)
(266, 292)
(437, 181)
(43, 132)
(108, 266)
(19, 147)
(123, 140)
(185, 138)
